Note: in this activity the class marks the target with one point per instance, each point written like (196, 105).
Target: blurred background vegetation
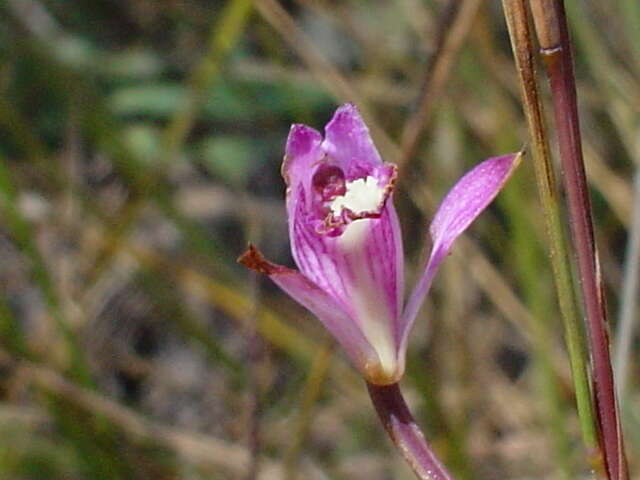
(140, 145)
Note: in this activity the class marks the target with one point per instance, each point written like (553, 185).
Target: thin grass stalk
(452, 346)
(517, 18)
(427, 377)
(102, 128)
(619, 90)
(21, 231)
(157, 281)
(232, 299)
(24, 137)
(631, 14)
(325, 71)
(313, 388)
(529, 256)
(529, 265)
(205, 451)
(255, 403)
(628, 314)
(612, 78)
(256, 357)
(629, 305)
(553, 36)
(405, 432)
(454, 26)
(11, 334)
(225, 34)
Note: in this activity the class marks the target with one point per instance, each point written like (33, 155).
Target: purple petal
(348, 142)
(302, 152)
(464, 202)
(470, 196)
(362, 270)
(322, 305)
(301, 141)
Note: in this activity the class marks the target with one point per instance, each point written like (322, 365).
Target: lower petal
(332, 315)
(362, 269)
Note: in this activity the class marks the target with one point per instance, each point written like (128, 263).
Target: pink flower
(346, 239)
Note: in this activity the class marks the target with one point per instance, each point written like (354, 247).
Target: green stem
(553, 36)
(518, 23)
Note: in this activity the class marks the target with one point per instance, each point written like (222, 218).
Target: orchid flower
(347, 243)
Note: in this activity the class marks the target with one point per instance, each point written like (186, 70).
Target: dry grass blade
(203, 450)
(310, 396)
(628, 317)
(455, 25)
(324, 70)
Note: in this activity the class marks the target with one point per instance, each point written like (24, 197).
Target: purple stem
(405, 433)
(559, 64)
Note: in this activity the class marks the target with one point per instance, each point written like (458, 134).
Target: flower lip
(340, 200)
(360, 196)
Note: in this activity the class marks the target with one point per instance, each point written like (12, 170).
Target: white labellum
(362, 195)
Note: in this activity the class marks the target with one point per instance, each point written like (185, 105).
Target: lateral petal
(461, 206)
(470, 196)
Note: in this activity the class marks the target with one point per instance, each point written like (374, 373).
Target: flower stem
(405, 433)
(551, 26)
